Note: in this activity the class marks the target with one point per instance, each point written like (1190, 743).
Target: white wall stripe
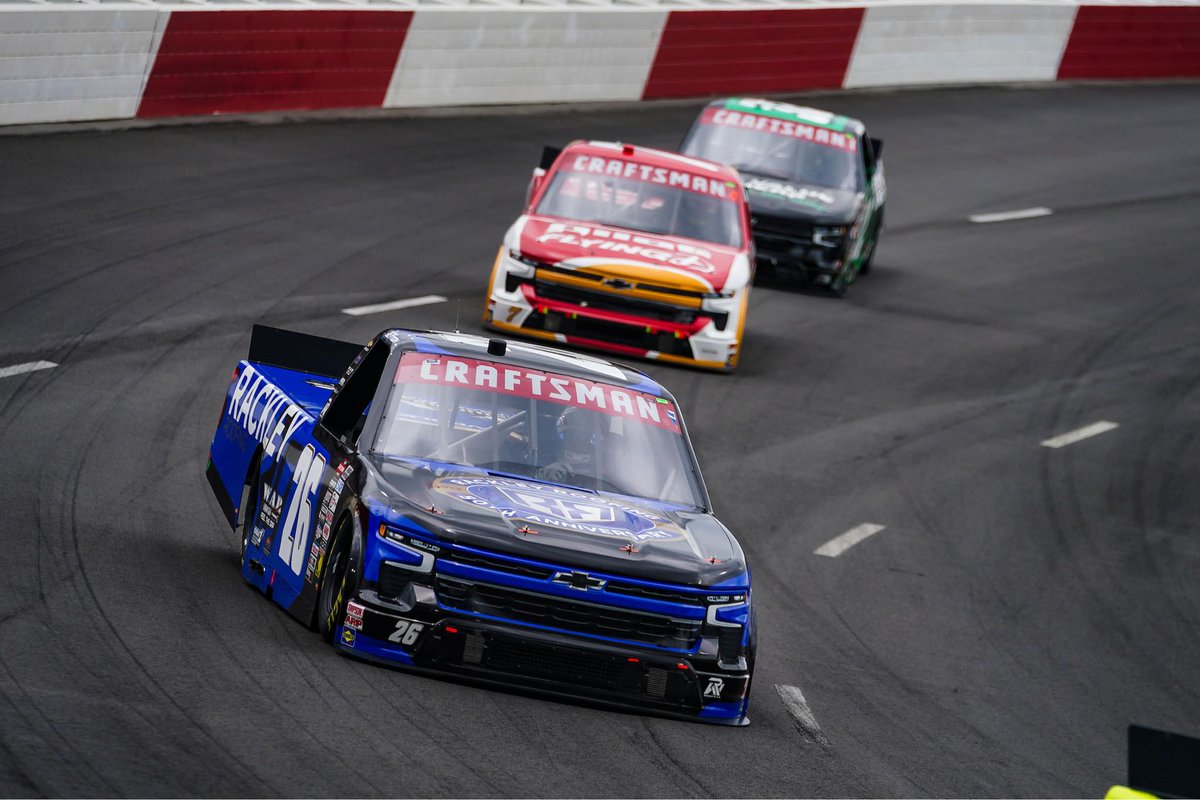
(21, 369)
(395, 305)
(1078, 435)
(840, 544)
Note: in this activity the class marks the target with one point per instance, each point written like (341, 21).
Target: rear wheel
(336, 581)
(249, 510)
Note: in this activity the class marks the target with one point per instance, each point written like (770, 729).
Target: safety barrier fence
(62, 62)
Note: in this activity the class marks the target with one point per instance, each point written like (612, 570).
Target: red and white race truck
(631, 250)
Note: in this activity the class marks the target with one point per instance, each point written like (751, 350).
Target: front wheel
(337, 581)
(865, 267)
(840, 284)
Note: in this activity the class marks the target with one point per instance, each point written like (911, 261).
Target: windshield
(628, 201)
(775, 148)
(518, 421)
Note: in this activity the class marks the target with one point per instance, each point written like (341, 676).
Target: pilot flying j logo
(618, 243)
(562, 508)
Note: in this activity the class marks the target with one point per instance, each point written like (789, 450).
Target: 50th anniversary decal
(557, 507)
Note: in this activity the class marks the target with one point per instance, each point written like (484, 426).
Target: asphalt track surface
(1021, 606)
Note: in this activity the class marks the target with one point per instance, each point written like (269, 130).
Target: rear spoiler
(1163, 763)
(303, 352)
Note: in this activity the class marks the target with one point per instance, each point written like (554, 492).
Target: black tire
(865, 267)
(338, 579)
(249, 511)
(839, 284)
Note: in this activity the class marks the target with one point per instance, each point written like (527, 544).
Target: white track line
(840, 544)
(20, 369)
(801, 714)
(1006, 216)
(429, 299)
(1086, 432)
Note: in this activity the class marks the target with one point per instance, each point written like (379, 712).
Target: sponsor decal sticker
(619, 168)
(354, 622)
(714, 688)
(562, 508)
(619, 243)
(320, 543)
(794, 194)
(519, 381)
(264, 411)
(349, 636)
(272, 506)
(355, 610)
(752, 120)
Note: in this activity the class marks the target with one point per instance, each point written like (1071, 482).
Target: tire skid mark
(1065, 508)
(677, 766)
(126, 649)
(64, 740)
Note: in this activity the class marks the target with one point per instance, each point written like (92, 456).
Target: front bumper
(545, 662)
(615, 323)
(794, 249)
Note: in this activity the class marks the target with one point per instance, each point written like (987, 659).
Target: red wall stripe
(222, 62)
(1133, 42)
(729, 52)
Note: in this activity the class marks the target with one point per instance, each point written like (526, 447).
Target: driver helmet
(579, 434)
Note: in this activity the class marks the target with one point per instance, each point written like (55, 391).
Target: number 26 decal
(294, 537)
(406, 632)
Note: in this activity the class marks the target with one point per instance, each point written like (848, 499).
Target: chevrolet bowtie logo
(617, 283)
(578, 580)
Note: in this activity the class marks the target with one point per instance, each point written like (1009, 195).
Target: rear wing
(303, 352)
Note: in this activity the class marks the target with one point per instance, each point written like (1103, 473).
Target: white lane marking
(1006, 216)
(20, 369)
(840, 544)
(801, 714)
(1086, 432)
(429, 299)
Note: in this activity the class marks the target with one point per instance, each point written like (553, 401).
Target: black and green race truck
(814, 182)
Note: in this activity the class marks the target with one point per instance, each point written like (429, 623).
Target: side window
(347, 413)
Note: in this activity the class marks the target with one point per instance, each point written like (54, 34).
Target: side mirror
(549, 156)
(877, 148)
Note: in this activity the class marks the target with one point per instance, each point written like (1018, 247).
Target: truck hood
(608, 533)
(800, 201)
(669, 261)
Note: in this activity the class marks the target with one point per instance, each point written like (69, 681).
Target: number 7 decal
(293, 538)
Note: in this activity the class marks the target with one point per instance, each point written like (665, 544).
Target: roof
(654, 158)
(793, 113)
(534, 356)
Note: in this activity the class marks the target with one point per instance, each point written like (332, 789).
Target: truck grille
(613, 301)
(554, 612)
(780, 234)
(615, 332)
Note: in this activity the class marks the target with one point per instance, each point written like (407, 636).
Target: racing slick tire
(839, 284)
(865, 267)
(338, 579)
(249, 508)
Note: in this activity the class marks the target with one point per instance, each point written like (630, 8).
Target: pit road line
(21, 369)
(843, 542)
(1079, 434)
(429, 299)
